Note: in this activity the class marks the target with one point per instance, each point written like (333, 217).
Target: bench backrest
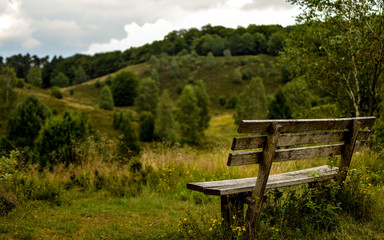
(326, 137)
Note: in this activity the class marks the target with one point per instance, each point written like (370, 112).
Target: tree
(146, 127)
(59, 138)
(56, 93)
(34, 77)
(8, 95)
(237, 77)
(80, 75)
(188, 115)
(210, 60)
(165, 123)
(154, 62)
(276, 43)
(26, 120)
(127, 142)
(155, 76)
(203, 103)
(174, 68)
(106, 99)
(124, 88)
(228, 56)
(339, 50)
(147, 96)
(61, 80)
(252, 102)
(279, 108)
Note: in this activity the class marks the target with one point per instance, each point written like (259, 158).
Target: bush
(124, 88)
(59, 137)
(222, 100)
(26, 120)
(20, 83)
(106, 99)
(232, 102)
(56, 93)
(127, 142)
(97, 84)
(147, 127)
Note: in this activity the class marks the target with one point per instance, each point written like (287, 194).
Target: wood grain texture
(349, 146)
(291, 139)
(225, 187)
(254, 157)
(297, 125)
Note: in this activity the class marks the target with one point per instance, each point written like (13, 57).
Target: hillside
(218, 80)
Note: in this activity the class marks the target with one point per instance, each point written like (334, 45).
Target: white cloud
(136, 36)
(14, 26)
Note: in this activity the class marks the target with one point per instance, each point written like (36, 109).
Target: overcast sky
(67, 27)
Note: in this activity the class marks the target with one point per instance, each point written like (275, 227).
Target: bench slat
(297, 125)
(291, 139)
(254, 157)
(233, 186)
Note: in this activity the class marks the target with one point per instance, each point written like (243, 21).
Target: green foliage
(59, 137)
(252, 103)
(97, 83)
(128, 145)
(8, 95)
(338, 49)
(298, 96)
(236, 76)
(106, 99)
(146, 127)
(154, 62)
(165, 123)
(20, 83)
(147, 96)
(246, 74)
(174, 72)
(108, 81)
(279, 107)
(117, 120)
(232, 102)
(34, 76)
(188, 115)
(26, 120)
(203, 103)
(222, 100)
(155, 77)
(61, 80)
(56, 93)
(80, 75)
(228, 56)
(210, 60)
(261, 70)
(124, 88)
(276, 43)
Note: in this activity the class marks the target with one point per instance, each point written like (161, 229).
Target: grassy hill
(218, 80)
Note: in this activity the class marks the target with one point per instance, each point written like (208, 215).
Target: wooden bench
(284, 140)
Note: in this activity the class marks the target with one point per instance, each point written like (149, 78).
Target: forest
(103, 146)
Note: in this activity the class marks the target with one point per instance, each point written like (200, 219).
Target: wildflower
(210, 229)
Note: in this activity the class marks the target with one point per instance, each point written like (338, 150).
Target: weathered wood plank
(265, 165)
(254, 157)
(259, 126)
(291, 139)
(350, 143)
(234, 186)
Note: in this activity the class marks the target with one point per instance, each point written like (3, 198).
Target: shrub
(58, 138)
(97, 84)
(124, 88)
(20, 83)
(128, 145)
(165, 123)
(237, 77)
(56, 93)
(222, 100)
(232, 102)
(147, 96)
(106, 99)
(26, 120)
(61, 80)
(146, 127)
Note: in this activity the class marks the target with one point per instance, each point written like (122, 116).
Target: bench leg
(232, 208)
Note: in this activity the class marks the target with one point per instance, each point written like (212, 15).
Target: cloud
(14, 26)
(136, 36)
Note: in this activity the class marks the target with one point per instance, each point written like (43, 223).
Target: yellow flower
(210, 229)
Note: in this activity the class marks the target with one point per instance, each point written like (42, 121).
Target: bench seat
(234, 186)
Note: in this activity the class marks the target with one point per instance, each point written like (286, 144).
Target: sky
(67, 27)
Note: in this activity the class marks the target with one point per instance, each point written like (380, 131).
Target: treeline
(253, 40)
